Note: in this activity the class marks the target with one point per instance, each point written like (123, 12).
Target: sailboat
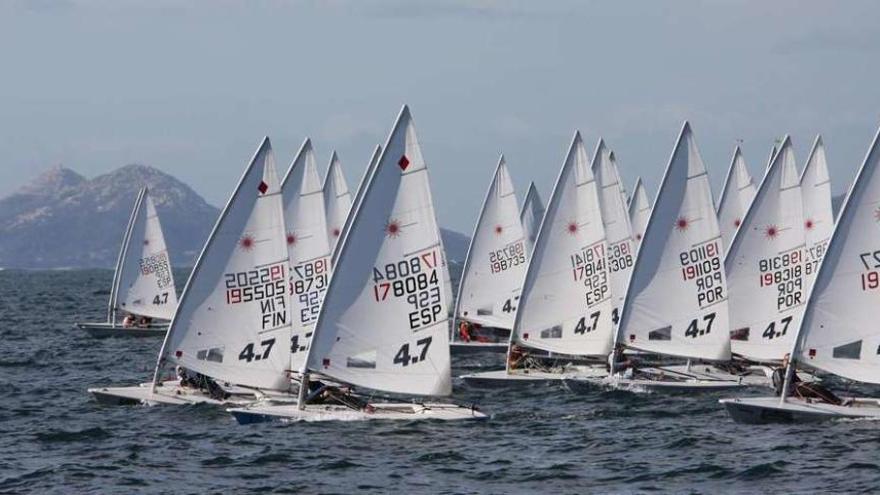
(488, 292)
(615, 218)
(765, 265)
(337, 200)
(233, 324)
(308, 248)
(566, 303)
(143, 283)
(639, 212)
(676, 303)
(736, 197)
(818, 213)
(384, 322)
(838, 332)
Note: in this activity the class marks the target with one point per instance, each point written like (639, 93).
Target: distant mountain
(63, 220)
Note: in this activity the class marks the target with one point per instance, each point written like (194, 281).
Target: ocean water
(55, 439)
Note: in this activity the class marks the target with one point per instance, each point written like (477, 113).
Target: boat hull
(169, 393)
(387, 411)
(503, 379)
(762, 410)
(583, 385)
(104, 330)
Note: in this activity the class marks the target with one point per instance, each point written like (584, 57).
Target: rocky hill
(63, 220)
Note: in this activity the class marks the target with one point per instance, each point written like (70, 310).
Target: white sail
(677, 299)
(496, 260)
(566, 304)
(531, 215)
(623, 194)
(233, 322)
(384, 321)
(639, 211)
(337, 200)
(146, 284)
(839, 333)
(112, 310)
(374, 159)
(765, 265)
(818, 213)
(308, 248)
(736, 197)
(615, 217)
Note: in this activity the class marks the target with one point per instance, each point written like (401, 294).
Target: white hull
(502, 378)
(115, 330)
(465, 348)
(386, 411)
(757, 410)
(169, 393)
(581, 384)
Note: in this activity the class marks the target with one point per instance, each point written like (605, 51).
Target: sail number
(588, 266)
(583, 326)
(774, 331)
(403, 357)
(786, 273)
(159, 265)
(160, 299)
(248, 354)
(511, 255)
(414, 280)
(814, 255)
(308, 284)
(702, 265)
(620, 256)
(871, 277)
(267, 286)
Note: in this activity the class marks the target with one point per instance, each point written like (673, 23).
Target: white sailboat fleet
(837, 333)
(308, 304)
(143, 283)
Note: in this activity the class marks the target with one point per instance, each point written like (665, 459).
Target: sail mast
(114, 290)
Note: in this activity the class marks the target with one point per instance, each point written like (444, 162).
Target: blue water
(55, 439)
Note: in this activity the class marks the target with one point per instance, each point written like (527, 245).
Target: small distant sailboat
(818, 212)
(384, 322)
(838, 333)
(736, 197)
(566, 302)
(493, 273)
(143, 283)
(639, 212)
(766, 266)
(233, 324)
(308, 248)
(337, 200)
(676, 304)
(531, 215)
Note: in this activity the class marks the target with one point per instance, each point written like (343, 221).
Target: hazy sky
(190, 87)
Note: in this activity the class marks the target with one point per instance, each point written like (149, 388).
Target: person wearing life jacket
(799, 388)
(517, 357)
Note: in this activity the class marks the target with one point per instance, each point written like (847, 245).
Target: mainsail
(615, 217)
(677, 299)
(766, 266)
(531, 215)
(818, 213)
(308, 248)
(736, 197)
(233, 322)
(337, 200)
(839, 333)
(639, 211)
(566, 304)
(374, 159)
(143, 283)
(384, 323)
(496, 260)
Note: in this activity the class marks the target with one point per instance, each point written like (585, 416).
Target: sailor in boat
(144, 321)
(198, 381)
(810, 392)
(624, 366)
(464, 331)
(129, 321)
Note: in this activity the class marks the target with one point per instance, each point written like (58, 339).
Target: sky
(191, 87)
